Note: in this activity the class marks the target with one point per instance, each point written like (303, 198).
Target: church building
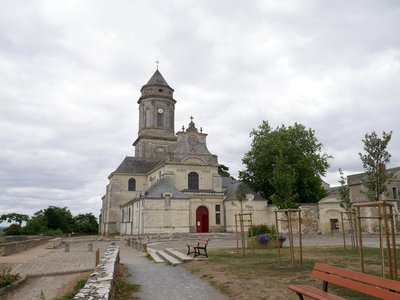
(172, 183)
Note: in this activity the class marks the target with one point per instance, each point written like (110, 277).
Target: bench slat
(356, 285)
(313, 292)
(360, 277)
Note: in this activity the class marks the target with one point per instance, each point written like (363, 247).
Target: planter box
(268, 245)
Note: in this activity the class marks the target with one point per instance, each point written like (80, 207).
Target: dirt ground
(260, 276)
(52, 286)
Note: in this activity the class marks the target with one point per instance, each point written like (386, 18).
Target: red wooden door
(202, 219)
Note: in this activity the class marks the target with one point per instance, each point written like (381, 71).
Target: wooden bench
(199, 249)
(363, 283)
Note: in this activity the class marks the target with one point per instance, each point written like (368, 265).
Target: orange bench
(366, 284)
(198, 248)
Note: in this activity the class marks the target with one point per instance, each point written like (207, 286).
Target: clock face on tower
(193, 140)
(160, 110)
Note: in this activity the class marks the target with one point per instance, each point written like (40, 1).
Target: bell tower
(156, 118)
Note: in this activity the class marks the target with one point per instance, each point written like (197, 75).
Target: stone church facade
(172, 183)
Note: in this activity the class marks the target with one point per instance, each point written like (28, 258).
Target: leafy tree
(241, 194)
(50, 219)
(344, 193)
(37, 224)
(59, 218)
(374, 159)
(14, 217)
(86, 223)
(293, 151)
(13, 229)
(283, 180)
(223, 171)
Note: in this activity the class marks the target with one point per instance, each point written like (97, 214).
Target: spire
(157, 79)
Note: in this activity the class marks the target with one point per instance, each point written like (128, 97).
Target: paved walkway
(40, 261)
(162, 282)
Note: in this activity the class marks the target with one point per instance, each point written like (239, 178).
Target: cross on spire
(191, 118)
(157, 63)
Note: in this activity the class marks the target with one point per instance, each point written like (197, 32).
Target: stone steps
(168, 256)
(154, 255)
(178, 255)
(169, 259)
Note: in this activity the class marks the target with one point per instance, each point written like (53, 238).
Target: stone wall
(100, 284)
(15, 247)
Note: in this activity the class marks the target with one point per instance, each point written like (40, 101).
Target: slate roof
(157, 79)
(231, 186)
(164, 186)
(357, 178)
(333, 191)
(137, 165)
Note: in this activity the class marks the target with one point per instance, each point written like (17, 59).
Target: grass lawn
(260, 276)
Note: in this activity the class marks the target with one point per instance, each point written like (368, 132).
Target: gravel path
(162, 282)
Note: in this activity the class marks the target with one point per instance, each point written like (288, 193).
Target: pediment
(192, 160)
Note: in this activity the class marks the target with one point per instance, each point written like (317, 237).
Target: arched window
(132, 184)
(160, 118)
(193, 181)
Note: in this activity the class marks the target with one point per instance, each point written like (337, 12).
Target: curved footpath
(159, 281)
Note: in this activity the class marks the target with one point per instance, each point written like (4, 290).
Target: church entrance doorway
(202, 219)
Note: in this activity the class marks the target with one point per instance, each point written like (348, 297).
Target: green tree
(283, 181)
(13, 229)
(223, 170)
(374, 159)
(37, 224)
(51, 220)
(344, 193)
(59, 218)
(86, 223)
(299, 150)
(14, 217)
(240, 194)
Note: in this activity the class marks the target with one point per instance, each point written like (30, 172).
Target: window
(193, 181)
(218, 214)
(132, 184)
(147, 117)
(167, 200)
(159, 118)
(394, 191)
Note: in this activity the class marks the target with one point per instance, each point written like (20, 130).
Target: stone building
(172, 183)
(329, 207)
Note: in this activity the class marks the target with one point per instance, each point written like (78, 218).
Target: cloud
(71, 75)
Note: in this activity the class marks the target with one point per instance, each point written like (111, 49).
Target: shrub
(262, 238)
(52, 232)
(7, 279)
(264, 233)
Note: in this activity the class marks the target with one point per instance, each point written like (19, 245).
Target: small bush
(70, 295)
(52, 232)
(265, 233)
(7, 279)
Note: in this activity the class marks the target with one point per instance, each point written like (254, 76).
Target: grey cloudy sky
(71, 72)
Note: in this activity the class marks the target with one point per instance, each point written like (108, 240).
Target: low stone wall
(15, 247)
(100, 284)
(5, 291)
(81, 238)
(54, 243)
